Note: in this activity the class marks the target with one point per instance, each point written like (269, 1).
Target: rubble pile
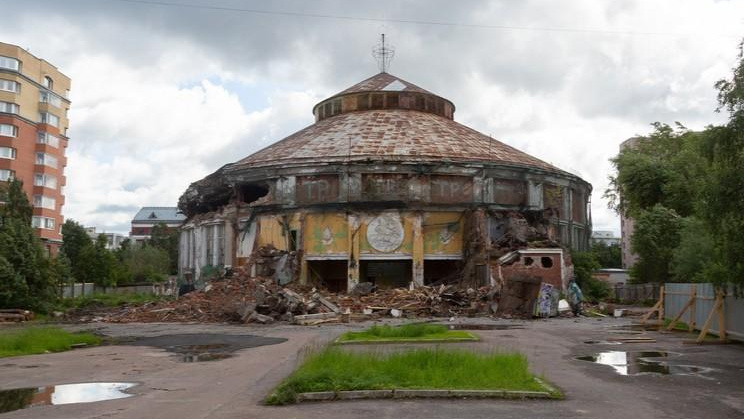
(439, 301)
(242, 299)
(15, 315)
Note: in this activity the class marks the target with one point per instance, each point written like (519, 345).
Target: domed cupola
(383, 91)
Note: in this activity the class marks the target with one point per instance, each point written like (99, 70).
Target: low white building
(113, 240)
(605, 236)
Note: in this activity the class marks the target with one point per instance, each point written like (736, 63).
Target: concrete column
(418, 249)
(354, 224)
(229, 244)
(301, 251)
(215, 245)
(479, 184)
(488, 190)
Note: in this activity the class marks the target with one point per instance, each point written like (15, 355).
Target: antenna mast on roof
(383, 54)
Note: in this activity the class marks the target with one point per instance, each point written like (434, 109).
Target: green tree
(77, 246)
(723, 208)
(656, 236)
(147, 263)
(166, 238)
(696, 250)
(103, 267)
(608, 256)
(665, 167)
(585, 264)
(25, 280)
(91, 261)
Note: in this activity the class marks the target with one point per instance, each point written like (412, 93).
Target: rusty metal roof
(383, 82)
(391, 135)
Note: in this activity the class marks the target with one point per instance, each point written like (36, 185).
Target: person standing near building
(575, 296)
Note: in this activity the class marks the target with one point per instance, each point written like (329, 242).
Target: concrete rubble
(242, 299)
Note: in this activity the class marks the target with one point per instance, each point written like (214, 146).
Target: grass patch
(110, 300)
(406, 333)
(39, 340)
(679, 325)
(333, 369)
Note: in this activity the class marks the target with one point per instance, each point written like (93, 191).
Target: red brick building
(148, 217)
(33, 135)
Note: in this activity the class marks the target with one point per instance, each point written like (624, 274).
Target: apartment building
(34, 101)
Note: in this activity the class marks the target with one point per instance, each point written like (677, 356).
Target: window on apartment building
(47, 181)
(50, 98)
(8, 130)
(7, 153)
(48, 82)
(47, 118)
(210, 244)
(42, 222)
(6, 175)
(10, 63)
(48, 139)
(10, 86)
(46, 160)
(8, 107)
(41, 201)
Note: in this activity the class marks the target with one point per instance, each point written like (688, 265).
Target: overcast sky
(163, 95)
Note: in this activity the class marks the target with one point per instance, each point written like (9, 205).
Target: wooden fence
(704, 308)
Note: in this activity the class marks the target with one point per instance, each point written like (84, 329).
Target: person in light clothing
(575, 297)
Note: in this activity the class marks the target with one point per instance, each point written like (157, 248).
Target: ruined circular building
(384, 187)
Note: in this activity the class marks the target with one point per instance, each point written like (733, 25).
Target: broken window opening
(528, 261)
(546, 262)
(292, 240)
(386, 274)
(442, 272)
(251, 192)
(330, 274)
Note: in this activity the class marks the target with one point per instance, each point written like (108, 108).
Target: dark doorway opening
(442, 271)
(386, 273)
(330, 274)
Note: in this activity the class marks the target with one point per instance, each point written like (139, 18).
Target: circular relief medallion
(385, 233)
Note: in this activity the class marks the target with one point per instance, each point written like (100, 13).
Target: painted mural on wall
(385, 233)
(443, 233)
(325, 233)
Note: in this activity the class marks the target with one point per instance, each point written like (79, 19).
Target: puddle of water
(484, 326)
(643, 362)
(204, 357)
(202, 353)
(21, 398)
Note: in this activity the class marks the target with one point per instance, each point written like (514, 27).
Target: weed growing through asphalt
(333, 369)
(39, 340)
(412, 331)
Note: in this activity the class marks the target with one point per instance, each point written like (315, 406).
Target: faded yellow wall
(437, 227)
(318, 241)
(271, 232)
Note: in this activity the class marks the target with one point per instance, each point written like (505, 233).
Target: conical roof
(383, 82)
(397, 132)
